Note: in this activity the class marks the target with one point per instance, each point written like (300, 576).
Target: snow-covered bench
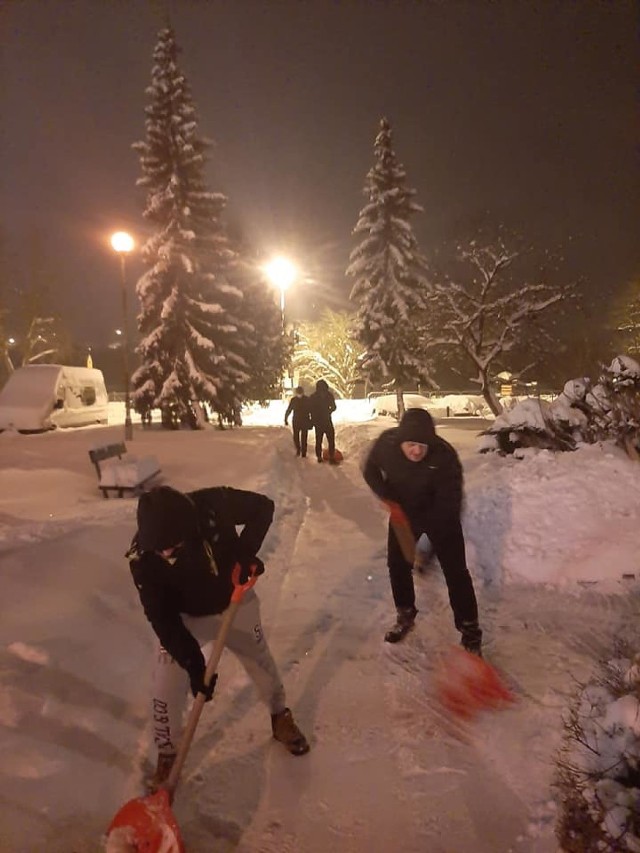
(120, 472)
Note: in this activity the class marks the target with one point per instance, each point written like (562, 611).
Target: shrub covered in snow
(599, 765)
(584, 412)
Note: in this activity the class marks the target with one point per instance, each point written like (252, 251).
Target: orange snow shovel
(147, 824)
(466, 685)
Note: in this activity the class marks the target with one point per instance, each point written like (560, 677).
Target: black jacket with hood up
(197, 580)
(429, 492)
(321, 404)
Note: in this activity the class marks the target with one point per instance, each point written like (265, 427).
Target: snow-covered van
(44, 396)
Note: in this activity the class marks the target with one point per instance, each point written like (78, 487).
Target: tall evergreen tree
(389, 273)
(189, 311)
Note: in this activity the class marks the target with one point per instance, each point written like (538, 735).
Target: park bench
(120, 472)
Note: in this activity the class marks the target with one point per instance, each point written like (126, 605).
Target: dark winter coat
(321, 405)
(299, 406)
(429, 491)
(197, 580)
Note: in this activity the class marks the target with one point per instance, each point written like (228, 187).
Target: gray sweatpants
(245, 639)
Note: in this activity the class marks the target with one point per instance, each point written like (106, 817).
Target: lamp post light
(281, 273)
(122, 243)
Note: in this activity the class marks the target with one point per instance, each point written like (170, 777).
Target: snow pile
(553, 532)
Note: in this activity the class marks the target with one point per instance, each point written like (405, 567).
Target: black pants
(300, 436)
(449, 549)
(328, 430)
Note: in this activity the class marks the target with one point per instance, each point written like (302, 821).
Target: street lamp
(281, 273)
(122, 243)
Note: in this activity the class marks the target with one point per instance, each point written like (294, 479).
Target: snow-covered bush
(599, 764)
(584, 412)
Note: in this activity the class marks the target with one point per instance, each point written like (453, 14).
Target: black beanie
(417, 425)
(166, 517)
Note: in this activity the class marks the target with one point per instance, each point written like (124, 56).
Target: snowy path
(384, 773)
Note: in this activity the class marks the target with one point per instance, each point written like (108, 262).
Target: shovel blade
(467, 685)
(145, 825)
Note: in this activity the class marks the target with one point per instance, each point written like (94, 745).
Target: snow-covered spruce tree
(327, 350)
(188, 310)
(389, 275)
(486, 310)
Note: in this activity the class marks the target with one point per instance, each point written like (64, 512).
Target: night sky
(526, 110)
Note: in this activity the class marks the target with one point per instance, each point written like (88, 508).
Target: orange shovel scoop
(466, 685)
(147, 824)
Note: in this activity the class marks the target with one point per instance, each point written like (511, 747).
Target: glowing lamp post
(122, 243)
(281, 273)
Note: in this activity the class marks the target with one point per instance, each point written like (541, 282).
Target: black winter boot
(405, 620)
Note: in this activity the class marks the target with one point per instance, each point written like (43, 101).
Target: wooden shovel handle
(239, 589)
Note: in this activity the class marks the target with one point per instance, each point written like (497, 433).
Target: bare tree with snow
(490, 309)
(389, 274)
(188, 310)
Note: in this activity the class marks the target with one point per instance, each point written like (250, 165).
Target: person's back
(299, 408)
(321, 404)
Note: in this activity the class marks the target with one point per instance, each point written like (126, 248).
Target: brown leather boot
(286, 731)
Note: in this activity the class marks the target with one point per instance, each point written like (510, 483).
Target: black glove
(246, 568)
(198, 685)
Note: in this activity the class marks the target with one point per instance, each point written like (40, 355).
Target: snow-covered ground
(553, 543)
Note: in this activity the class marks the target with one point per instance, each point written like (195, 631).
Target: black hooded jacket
(321, 404)
(197, 580)
(430, 491)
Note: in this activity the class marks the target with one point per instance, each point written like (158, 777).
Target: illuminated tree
(328, 350)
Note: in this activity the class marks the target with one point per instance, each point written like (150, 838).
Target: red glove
(396, 513)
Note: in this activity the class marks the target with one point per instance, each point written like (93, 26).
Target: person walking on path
(322, 404)
(301, 421)
(182, 558)
(419, 476)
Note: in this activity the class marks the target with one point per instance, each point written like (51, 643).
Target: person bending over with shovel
(182, 558)
(419, 476)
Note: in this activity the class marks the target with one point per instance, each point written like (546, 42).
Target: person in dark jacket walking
(322, 404)
(419, 476)
(299, 407)
(181, 559)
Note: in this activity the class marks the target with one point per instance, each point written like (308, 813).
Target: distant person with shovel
(419, 477)
(182, 559)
